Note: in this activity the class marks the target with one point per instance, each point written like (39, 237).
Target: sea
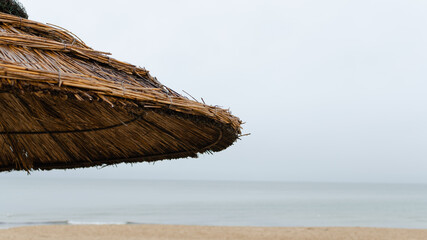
(29, 201)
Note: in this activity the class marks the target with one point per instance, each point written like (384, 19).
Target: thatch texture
(65, 105)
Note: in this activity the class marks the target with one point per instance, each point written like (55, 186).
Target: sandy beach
(170, 232)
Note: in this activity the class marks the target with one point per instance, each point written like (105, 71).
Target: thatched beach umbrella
(65, 105)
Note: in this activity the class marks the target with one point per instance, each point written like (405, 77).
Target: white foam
(73, 222)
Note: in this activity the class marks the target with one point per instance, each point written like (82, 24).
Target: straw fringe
(75, 46)
(53, 82)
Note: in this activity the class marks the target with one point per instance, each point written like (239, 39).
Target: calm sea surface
(32, 201)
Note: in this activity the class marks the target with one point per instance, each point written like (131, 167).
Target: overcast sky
(330, 90)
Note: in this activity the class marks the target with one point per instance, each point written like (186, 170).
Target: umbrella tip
(13, 7)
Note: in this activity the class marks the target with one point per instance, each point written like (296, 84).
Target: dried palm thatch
(65, 105)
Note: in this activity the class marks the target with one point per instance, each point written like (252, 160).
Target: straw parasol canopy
(64, 105)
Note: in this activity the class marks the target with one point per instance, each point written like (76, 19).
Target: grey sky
(330, 90)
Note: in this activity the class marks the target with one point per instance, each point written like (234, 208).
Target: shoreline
(172, 232)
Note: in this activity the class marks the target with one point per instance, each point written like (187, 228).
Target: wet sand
(171, 232)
